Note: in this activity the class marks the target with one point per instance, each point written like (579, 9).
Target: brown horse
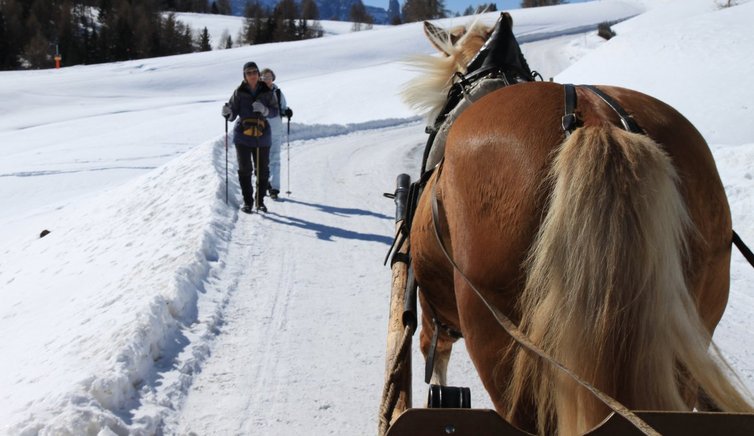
(609, 249)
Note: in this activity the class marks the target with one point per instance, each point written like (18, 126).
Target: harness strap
(569, 120)
(400, 238)
(512, 329)
(629, 124)
(429, 365)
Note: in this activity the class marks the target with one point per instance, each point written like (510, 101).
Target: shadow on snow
(327, 233)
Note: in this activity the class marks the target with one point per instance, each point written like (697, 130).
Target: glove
(226, 112)
(288, 113)
(259, 107)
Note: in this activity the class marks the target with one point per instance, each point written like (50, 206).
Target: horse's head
(457, 46)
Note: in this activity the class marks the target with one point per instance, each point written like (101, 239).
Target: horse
(610, 249)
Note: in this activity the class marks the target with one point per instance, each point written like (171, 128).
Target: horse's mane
(428, 92)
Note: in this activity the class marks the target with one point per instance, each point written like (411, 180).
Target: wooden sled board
(485, 422)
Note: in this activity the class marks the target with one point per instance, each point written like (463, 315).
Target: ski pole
(259, 185)
(226, 161)
(288, 137)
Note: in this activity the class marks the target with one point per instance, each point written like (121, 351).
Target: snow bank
(117, 281)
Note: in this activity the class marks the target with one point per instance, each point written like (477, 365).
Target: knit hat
(250, 66)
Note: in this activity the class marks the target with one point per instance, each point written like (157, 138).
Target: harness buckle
(568, 122)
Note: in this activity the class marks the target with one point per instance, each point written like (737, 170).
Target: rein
(748, 255)
(509, 326)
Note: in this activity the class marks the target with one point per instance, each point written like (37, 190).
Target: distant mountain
(328, 9)
(379, 15)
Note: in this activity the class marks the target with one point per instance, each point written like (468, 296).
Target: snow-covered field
(153, 307)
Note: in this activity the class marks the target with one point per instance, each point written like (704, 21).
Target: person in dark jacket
(252, 102)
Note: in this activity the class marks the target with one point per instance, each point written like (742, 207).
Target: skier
(252, 102)
(276, 124)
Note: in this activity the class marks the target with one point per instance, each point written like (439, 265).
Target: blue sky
(460, 5)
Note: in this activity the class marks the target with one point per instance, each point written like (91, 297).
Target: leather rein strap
(509, 326)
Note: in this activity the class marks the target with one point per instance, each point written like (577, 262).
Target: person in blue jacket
(252, 102)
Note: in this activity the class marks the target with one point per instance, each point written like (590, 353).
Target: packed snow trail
(294, 353)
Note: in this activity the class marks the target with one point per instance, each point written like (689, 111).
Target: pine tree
(37, 52)
(286, 28)
(11, 37)
(394, 12)
(419, 10)
(124, 42)
(358, 15)
(186, 40)
(204, 44)
(89, 35)
(437, 9)
(309, 10)
(254, 29)
(4, 49)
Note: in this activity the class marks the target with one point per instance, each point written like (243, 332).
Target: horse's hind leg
(439, 352)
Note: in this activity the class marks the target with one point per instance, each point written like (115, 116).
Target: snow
(153, 307)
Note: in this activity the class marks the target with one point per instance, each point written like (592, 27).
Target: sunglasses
(266, 77)
(251, 72)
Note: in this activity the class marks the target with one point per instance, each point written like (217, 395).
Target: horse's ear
(507, 17)
(435, 35)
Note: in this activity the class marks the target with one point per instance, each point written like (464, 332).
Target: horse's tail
(606, 293)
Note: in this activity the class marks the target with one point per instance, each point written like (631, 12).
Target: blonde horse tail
(606, 293)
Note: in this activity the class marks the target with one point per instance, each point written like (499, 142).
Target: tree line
(287, 21)
(32, 32)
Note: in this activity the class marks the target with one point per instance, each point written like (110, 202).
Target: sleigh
(484, 422)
